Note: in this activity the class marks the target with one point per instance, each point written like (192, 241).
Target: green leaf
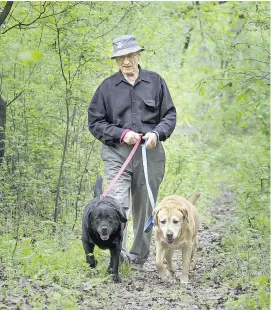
(202, 91)
(30, 57)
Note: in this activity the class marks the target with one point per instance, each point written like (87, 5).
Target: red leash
(105, 193)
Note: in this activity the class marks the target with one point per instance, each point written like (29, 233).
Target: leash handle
(145, 168)
(105, 193)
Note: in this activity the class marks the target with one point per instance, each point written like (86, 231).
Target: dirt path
(146, 291)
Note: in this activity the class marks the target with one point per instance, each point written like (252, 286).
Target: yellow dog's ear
(185, 213)
(155, 213)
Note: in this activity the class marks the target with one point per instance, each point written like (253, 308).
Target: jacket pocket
(150, 112)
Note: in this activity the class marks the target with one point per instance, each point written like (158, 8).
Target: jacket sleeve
(167, 113)
(98, 123)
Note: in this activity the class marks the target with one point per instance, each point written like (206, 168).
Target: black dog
(103, 225)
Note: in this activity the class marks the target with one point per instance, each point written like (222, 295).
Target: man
(129, 104)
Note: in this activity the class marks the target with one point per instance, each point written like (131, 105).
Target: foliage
(214, 57)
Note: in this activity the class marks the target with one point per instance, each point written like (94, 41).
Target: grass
(51, 270)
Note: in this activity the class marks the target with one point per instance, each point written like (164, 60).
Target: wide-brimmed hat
(125, 45)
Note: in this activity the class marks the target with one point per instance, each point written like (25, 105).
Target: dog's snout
(169, 235)
(104, 230)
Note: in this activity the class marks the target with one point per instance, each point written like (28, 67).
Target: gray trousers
(131, 189)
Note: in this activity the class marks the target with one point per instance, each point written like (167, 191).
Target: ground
(205, 290)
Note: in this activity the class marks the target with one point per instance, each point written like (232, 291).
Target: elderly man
(130, 104)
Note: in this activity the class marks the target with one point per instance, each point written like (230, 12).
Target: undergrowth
(43, 263)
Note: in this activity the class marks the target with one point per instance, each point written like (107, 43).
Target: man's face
(128, 64)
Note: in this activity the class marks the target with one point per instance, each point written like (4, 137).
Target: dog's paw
(172, 272)
(117, 278)
(184, 278)
(109, 270)
(94, 264)
(92, 261)
(165, 275)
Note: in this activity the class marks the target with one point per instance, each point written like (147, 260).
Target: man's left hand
(151, 138)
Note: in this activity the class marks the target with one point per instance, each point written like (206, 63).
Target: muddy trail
(144, 290)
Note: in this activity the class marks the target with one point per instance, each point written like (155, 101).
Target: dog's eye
(163, 222)
(175, 222)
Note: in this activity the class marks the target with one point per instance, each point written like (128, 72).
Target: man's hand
(131, 137)
(152, 140)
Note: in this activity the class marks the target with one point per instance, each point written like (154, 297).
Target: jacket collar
(143, 76)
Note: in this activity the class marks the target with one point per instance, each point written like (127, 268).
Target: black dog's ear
(98, 189)
(117, 207)
(122, 216)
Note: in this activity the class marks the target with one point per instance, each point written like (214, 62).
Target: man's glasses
(128, 56)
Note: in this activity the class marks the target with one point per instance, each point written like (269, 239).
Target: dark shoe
(135, 259)
(137, 267)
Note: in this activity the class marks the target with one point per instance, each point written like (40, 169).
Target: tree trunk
(3, 116)
(5, 12)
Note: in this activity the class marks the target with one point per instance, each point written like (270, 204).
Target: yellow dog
(177, 222)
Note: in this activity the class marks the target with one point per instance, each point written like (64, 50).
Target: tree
(5, 12)
(3, 109)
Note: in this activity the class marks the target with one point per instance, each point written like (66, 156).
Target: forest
(215, 59)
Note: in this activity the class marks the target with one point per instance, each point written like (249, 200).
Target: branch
(60, 55)
(252, 44)
(15, 98)
(186, 43)
(127, 11)
(5, 12)
(250, 59)
(21, 24)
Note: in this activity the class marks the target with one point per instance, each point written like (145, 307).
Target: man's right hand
(131, 137)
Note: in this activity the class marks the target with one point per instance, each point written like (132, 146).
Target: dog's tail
(98, 189)
(194, 198)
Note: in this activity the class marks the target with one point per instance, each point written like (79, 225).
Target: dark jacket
(117, 105)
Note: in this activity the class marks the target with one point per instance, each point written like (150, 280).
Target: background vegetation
(215, 58)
